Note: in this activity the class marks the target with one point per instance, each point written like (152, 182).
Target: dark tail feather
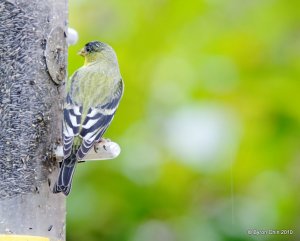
(64, 181)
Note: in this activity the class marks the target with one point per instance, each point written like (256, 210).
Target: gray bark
(33, 55)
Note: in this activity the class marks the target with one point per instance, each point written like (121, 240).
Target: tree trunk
(33, 55)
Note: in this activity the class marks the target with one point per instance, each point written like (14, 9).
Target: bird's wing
(97, 121)
(71, 124)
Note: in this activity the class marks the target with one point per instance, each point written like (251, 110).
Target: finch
(94, 93)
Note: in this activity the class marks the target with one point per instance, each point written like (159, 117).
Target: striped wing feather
(97, 121)
(93, 126)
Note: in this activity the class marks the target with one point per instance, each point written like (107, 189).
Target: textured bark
(32, 68)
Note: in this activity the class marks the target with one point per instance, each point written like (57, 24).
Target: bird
(93, 95)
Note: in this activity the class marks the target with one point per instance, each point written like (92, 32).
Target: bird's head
(96, 50)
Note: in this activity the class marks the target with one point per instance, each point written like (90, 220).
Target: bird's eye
(88, 48)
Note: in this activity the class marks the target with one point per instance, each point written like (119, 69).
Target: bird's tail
(64, 181)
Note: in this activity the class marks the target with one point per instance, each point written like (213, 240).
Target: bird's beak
(82, 52)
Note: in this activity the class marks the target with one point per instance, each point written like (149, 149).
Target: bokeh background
(208, 125)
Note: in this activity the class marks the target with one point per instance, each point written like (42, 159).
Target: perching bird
(94, 93)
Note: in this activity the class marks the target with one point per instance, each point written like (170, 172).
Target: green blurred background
(208, 126)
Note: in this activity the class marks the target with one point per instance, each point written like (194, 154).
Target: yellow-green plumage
(94, 92)
(94, 83)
